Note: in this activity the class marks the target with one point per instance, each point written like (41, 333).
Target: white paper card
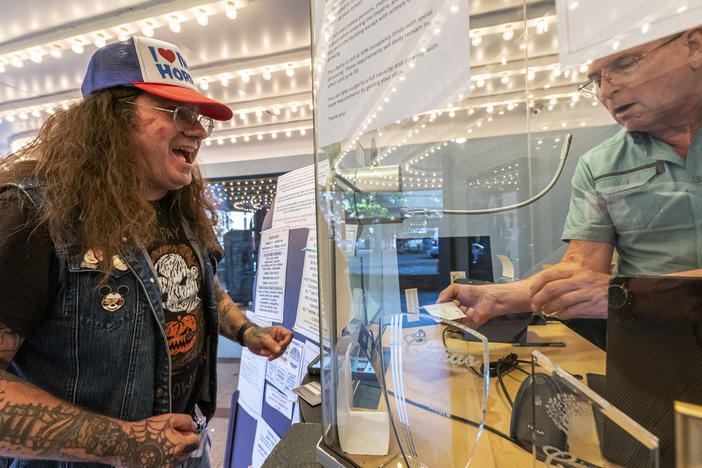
(454, 275)
(307, 318)
(445, 310)
(279, 401)
(264, 442)
(270, 284)
(374, 439)
(507, 266)
(294, 202)
(285, 372)
(412, 298)
(375, 58)
(252, 375)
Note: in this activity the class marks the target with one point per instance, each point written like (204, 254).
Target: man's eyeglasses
(184, 118)
(620, 69)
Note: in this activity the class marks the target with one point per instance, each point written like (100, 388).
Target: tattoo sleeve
(37, 425)
(230, 316)
(34, 424)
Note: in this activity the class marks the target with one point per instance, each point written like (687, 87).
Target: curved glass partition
(447, 134)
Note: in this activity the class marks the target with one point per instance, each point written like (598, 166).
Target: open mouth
(187, 153)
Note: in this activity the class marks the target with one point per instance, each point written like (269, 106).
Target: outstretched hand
(478, 303)
(568, 291)
(269, 341)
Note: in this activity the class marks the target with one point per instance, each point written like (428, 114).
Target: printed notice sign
(375, 58)
(270, 285)
(252, 375)
(264, 443)
(584, 33)
(307, 318)
(294, 202)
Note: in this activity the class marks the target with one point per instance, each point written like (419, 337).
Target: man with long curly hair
(110, 303)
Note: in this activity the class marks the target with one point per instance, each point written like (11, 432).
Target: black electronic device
(361, 368)
(654, 345)
(530, 404)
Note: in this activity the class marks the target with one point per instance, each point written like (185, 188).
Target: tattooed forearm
(65, 432)
(230, 316)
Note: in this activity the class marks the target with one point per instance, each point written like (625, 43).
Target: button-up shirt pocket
(631, 198)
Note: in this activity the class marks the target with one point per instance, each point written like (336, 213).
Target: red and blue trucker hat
(151, 65)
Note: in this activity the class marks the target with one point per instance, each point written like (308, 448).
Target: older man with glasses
(110, 304)
(639, 192)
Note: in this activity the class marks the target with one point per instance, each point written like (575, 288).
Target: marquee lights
(147, 26)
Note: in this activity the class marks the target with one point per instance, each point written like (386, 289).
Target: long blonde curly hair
(94, 185)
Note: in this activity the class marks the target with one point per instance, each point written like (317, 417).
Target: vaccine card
(445, 311)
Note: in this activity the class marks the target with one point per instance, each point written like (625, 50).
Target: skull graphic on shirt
(178, 284)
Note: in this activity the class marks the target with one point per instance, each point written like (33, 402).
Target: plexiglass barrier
(572, 426)
(447, 134)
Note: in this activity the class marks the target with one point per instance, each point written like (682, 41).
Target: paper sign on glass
(374, 59)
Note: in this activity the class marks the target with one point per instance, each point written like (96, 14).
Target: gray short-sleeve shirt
(636, 193)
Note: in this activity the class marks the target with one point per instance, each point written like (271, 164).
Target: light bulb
(56, 51)
(174, 24)
(123, 34)
(35, 56)
(77, 47)
(202, 18)
(230, 10)
(290, 70)
(508, 34)
(476, 39)
(147, 29)
(100, 40)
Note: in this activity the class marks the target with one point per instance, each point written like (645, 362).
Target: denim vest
(116, 363)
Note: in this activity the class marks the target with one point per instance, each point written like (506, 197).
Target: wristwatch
(618, 296)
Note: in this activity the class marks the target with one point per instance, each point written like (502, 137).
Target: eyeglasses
(184, 118)
(620, 69)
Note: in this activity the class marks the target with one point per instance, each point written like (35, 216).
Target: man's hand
(166, 440)
(481, 303)
(269, 341)
(568, 291)
(474, 301)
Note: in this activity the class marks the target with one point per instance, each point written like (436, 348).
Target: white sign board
(374, 59)
(270, 282)
(591, 29)
(294, 201)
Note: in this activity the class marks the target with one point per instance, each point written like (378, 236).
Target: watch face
(618, 296)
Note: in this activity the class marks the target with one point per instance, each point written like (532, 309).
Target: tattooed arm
(36, 425)
(268, 341)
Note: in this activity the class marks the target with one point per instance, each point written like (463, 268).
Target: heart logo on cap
(167, 54)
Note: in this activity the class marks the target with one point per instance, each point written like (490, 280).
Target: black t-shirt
(180, 278)
(30, 282)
